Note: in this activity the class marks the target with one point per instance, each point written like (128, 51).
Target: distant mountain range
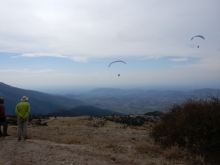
(137, 101)
(83, 111)
(100, 101)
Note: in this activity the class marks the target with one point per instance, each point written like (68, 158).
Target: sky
(65, 46)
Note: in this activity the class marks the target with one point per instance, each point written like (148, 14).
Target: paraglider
(199, 37)
(115, 62)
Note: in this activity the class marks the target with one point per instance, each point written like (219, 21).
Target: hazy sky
(66, 44)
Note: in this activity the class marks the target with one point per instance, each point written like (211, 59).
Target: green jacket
(23, 109)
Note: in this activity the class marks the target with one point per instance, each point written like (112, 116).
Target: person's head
(24, 98)
(1, 100)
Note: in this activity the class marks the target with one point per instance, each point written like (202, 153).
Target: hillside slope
(41, 103)
(83, 111)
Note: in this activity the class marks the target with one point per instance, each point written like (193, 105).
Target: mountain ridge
(41, 103)
(137, 101)
(131, 101)
(83, 110)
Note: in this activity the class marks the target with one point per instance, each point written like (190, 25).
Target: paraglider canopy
(115, 62)
(198, 36)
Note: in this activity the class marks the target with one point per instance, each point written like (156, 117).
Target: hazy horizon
(62, 90)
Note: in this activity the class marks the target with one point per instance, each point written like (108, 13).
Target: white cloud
(79, 59)
(94, 29)
(179, 59)
(42, 55)
(74, 58)
(26, 71)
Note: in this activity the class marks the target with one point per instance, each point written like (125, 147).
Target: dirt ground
(83, 141)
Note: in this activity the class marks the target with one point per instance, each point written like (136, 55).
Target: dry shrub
(196, 160)
(54, 136)
(12, 131)
(194, 125)
(66, 139)
(70, 139)
(174, 152)
(30, 134)
(146, 147)
(114, 144)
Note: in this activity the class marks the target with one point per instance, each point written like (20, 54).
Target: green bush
(194, 125)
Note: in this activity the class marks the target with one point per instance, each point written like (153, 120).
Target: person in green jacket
(23, 110)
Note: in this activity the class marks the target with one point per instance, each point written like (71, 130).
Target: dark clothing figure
(3, 119)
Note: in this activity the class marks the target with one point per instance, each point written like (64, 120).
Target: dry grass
(147, 147)
(132, 143)
(174, 152)
(197, 160)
